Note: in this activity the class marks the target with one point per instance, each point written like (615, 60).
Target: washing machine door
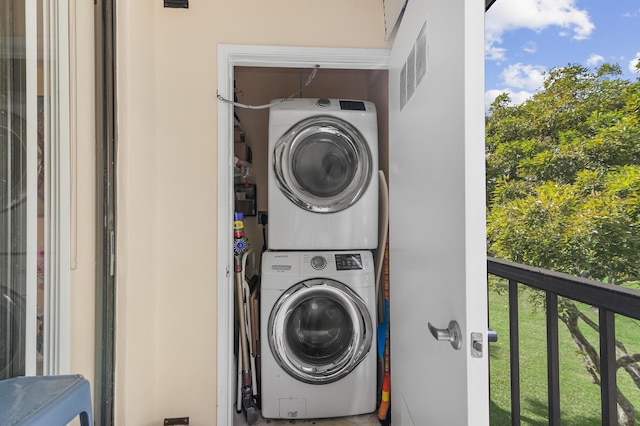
(323, 164)
(12, 333)
(319, 331)
(13, 170)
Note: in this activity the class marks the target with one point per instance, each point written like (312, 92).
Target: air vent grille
(415, 68)
(421, 55)
(411, 73)
(403, 86)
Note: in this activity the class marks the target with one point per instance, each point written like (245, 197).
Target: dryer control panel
(352, 105)
(345, 105)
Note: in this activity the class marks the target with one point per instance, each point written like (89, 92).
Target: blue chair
(45, 401)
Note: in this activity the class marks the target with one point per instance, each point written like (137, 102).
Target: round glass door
(323, 164)
(13, 183)
(319, 331)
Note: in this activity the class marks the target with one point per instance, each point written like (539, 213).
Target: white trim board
(230, 56)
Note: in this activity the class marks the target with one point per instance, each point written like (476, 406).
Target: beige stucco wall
(82, 296)
(167, 182)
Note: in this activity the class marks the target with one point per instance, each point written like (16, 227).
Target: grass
(579, 396)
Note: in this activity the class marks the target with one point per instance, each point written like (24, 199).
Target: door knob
(450, 334)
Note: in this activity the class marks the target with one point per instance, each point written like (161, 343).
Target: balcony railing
(608, 299)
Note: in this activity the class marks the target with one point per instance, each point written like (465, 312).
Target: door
(15, 330)
(319, 330)
(34, 188)
(437, 238)
(323, 164)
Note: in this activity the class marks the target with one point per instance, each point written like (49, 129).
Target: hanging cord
(264, 238)
(269, 105)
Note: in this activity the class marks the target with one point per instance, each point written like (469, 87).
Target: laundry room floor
(364, 420)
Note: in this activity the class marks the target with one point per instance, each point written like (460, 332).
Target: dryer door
(323, 164)
(319, 330)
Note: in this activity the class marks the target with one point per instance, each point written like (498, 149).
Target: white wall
(167, 181)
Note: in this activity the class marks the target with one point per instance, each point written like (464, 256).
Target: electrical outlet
(176, 421)
(263, 217)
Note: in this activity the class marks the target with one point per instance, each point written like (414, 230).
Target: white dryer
(322, 184)
(318, 350)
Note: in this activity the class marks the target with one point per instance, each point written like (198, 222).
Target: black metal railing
(608, 299)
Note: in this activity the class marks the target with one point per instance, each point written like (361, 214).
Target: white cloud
(520, 83)
(594, 59)
(494, 53)
(517, 97)
(536, 15)
(530, 47)
(528, 77)
(634, 62)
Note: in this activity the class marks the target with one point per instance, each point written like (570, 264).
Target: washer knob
(318, 262)
(323, 103)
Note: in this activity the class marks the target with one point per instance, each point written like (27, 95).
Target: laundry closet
(347, 274)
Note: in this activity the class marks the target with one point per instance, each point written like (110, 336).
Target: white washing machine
(323, 185)
(317, 324)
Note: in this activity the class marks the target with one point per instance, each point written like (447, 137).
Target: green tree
(563, 187)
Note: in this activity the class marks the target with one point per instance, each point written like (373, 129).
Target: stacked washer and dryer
(317, 301)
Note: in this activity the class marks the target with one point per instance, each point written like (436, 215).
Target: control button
(323, 103)
(318, 262)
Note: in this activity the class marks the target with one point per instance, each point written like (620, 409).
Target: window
(34, 187)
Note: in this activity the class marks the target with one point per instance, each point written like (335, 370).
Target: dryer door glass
(323, 164)
(319, 331)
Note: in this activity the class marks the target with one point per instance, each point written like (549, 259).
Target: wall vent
(177, 4)
(411, 73)
(403, 86)
(415, 68)
(421, 55)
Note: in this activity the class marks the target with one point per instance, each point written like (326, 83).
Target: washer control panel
(348, 262)
(309, 263)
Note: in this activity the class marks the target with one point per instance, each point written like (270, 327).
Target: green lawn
(579, 396)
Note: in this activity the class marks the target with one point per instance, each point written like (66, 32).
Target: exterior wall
(166, 339)
(83, 130)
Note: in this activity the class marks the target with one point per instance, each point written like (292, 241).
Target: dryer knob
(323, 103)
(318, 262)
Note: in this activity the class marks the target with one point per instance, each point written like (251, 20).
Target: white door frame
(230, 56)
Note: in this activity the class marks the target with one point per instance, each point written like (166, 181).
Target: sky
(526, 38)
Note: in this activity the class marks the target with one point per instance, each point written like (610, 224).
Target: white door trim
(230, 56)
